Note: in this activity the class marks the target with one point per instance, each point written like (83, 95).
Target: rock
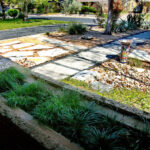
(87, 76)
(101, 86)
(87, 37)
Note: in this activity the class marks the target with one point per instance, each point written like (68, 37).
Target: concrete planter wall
(47, 137)
(128, 116)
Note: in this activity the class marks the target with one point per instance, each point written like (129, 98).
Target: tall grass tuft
(10, 78)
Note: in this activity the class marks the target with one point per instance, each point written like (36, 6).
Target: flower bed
(68, 113)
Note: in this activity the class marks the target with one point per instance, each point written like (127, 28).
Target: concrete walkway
(85, 59)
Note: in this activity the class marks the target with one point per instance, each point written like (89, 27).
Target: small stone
(87, 37)
(101, 86)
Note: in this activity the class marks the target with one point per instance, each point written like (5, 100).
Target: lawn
(18, 23)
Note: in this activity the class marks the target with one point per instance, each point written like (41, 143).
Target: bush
(13, 12)
(21, 15)
(88, 9)
(72, 6)
(76, 28)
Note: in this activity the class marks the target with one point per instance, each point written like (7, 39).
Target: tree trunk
(25, 18)
(108, 29)
(3, 9)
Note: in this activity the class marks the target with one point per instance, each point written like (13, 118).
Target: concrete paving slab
(2, 50)
(142, 55)
(63, 44)
(52, 52)
(54, 71)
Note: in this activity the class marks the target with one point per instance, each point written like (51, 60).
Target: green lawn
(133, 97)
(18, 23)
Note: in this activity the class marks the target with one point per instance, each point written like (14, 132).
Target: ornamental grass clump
(27, 95)
(10, 78)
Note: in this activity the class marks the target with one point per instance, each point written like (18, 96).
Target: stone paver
(22, 45)
(71, 65)
(18, 54)
(3, 50)
(36, 47)
(63, 44)
(52, 52)
(63, 68)
(142, 55)
(10, 43)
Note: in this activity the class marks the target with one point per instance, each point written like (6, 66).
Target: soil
(98, 37)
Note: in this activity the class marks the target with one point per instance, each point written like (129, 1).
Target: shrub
(87, 9)
(62, 29)
(13, 12)
(10, 78)
(76, 28)
(71, 6)
(21, 15)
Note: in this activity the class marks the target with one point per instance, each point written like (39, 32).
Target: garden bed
(125, 83)
(98, 37)
(68, 113)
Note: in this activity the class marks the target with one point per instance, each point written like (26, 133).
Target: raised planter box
(47, 137)
(129, 116)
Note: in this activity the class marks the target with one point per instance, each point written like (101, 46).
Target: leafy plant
(76, 28)
(13, 13)
(62, 29)
(72, 6)
(87, 9)
(10, 78)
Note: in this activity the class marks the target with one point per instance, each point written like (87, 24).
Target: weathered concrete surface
(63, 68)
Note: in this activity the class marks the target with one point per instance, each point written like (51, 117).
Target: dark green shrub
(21, 15)
(76, 28)
(10, 78)
(40, 9)
(13, 12)
(87, 9)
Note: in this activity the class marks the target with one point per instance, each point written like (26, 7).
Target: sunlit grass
(130, 97)
(19, 23)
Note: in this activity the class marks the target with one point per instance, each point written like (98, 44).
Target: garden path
(87, 58)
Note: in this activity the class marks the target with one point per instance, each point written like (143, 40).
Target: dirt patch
(98, 37)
